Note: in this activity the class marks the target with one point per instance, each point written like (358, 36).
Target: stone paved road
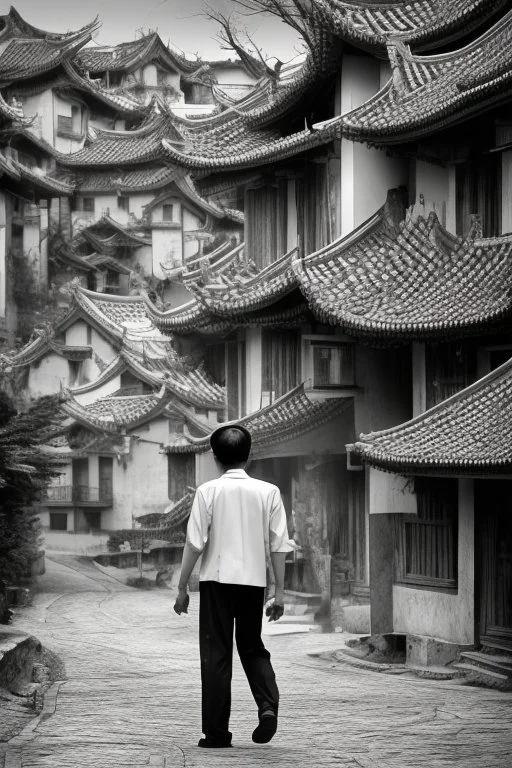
(131, 695)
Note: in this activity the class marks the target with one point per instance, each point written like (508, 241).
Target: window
(426, 543)
(123, 203)
(64, 124)
(478, 191)
(235, 378)
(280, 364)
(89, 335)
(75, 369)
(86, 204)
(266, 219)
(168, 212)
(92, 520)
(76, 119)
(449, 368)
(182, 474)
(333, 364)
(58, 521)
(111, 282)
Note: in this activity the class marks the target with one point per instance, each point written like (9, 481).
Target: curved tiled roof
(231, 144)
(429, 93)
(235, 295)
(422, 23)
(12, 112)
(409, 280)
(14, 25)
(185, 185)
(148, 178)
(31, 52)
(121, 148)
(290, 416)
(178, 514)
(108, 234)
(134, 54)
(470, 433)
(43, 182)
(112, 414)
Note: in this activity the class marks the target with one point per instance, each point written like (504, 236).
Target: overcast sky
(177, 21)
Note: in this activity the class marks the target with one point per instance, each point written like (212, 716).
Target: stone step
(483, 676)
(309, 599)
(495, 663)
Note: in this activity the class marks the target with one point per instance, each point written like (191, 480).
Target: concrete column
(43, 246)
(506, 196)
(291, 233)
(253, 357)
(419, 379)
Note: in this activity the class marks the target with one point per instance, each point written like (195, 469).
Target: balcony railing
(78, 494)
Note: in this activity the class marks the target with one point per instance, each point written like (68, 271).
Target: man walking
(235, 520)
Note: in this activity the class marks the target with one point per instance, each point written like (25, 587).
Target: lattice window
(426, 543)
(333, 365)
(280, 350)
(182, 474)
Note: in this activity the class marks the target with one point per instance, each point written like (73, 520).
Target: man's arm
(197, 536)
(189, 559)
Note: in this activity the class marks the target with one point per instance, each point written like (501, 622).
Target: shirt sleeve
(278, 539)
(198, 526)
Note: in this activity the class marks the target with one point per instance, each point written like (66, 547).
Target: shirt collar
(236, 474)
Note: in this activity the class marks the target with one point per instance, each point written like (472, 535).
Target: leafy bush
(25, 472)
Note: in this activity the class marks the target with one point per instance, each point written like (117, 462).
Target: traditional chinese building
(370, 288)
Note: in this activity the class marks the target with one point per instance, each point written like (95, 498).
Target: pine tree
(25, 471)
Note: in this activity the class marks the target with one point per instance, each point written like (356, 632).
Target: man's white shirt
(235, 522)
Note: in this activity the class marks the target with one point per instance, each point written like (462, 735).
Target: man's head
(231, 445)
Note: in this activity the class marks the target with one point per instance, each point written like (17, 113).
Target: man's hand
(275, 610)
(182, 601)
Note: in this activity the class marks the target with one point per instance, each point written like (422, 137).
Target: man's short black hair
(231, 444)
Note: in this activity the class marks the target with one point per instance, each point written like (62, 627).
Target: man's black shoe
(266, 728)
(212, 744)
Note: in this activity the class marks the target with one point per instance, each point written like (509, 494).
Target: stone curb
(13, 755)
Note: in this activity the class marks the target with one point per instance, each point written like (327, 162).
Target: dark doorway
(494, 516)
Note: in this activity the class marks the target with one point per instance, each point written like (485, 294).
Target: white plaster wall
(78, 543)
(432, 181)
(506, 198)
(104, 390)
(417, 611)
(41, 105)
(191, 221)
(149, 75)
(76, 334)
(232, 75)
(46, 378)
(167, 249)
(138, 201)
(141, 488)
(102, 347)
(3, 251)
(144, 257)
(366, 173)
(253, 357)
(101, 122)
(157, 214)
(31, 242)
(177, 294)
(63, 107)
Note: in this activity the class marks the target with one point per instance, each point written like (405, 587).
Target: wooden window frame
(166, 207)
(54, 516)
(430, 493)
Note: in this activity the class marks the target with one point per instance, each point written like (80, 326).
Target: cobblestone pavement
(131, 697)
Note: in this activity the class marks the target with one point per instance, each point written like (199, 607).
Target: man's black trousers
(224, 607)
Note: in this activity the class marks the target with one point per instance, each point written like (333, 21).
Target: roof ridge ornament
(398, 53)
